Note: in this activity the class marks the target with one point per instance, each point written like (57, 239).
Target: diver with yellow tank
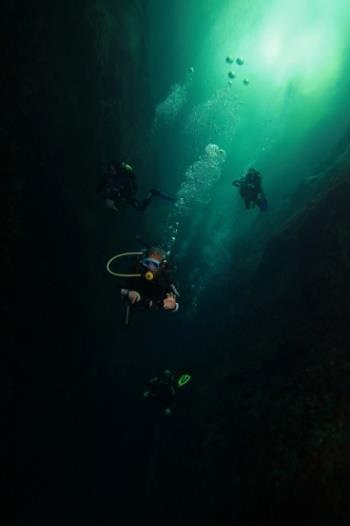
(149, 283)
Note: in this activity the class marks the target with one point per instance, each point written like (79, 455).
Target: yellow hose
(118, 274)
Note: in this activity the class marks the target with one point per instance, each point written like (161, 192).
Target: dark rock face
(278, 452)
(76, 94)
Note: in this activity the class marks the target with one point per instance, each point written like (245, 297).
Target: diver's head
(252, 172)
(127, 168)
(250, 175)
(156, 253)
(153, 260)
(120, 166)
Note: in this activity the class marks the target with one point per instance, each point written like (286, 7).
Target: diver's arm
(130, 288)
(134, 296)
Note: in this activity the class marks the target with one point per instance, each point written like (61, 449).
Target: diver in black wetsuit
(162, 389)
(154, 288)
(119, 185)
(251, 190)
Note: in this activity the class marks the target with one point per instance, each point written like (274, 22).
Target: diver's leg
(154, 191)
(169, 401)
(146, 201)
(262, 202)
(142, 205)
(169, 406)
(139, 205)
(259, 198)
(111, 204)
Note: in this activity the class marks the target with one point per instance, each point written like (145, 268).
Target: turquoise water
(261, 431)
(283, 122)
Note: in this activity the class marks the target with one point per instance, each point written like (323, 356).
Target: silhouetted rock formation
(275, 445)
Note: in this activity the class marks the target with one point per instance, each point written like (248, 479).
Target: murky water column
(214, 121)
(169, 109)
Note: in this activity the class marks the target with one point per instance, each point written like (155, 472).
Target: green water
(284, 122)
(261, 431)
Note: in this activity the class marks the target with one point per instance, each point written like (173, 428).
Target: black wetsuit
(250, 189)
(122, 187)
(154, 291)
(162, 389)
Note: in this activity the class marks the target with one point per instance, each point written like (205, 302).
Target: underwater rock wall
(275, 425)
(76, 94)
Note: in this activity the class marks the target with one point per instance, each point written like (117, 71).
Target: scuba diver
(149, 284)
(162, 389)
(119, 186)
(251, 190)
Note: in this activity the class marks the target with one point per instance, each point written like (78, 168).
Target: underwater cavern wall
(278, 436)
(76, 95)
(264, 436)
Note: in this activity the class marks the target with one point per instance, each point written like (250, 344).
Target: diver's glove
(134, 296)
(111, 204)
(169, 302)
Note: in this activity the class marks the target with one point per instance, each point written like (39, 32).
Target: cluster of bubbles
(200, 177)
(167, 111)
(231, 74)
(215, 258)
(196, 188)
(196, 288)
(214, 120)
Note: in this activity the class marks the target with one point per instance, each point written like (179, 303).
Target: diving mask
(151, 263)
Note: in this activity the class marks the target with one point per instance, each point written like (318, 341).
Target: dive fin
(162, 195)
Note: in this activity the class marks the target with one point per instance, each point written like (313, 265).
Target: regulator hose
(119, 274)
